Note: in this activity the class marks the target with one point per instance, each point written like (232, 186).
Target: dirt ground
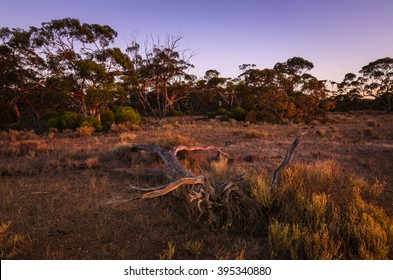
(61, 191)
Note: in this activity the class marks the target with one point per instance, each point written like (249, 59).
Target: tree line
(65, 66)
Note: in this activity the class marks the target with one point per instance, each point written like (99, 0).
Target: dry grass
(256, 134)
(85, 131)
(328, 217)
(334, 202)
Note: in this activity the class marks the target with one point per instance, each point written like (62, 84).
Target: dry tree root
(211, 197)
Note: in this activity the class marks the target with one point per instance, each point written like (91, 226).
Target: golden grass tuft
(126, 127)
(194, 247)
(92, 162)
(85, 131)
(260, 190)
(219, 168)
(168, 253)
(10, 244)
(321, 131)
(169, 139)
(371, 123)
(24, 147)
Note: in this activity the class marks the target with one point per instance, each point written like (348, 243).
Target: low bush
(127, 114)
(222, 112)
(85, 131)
(91, 121)
(51, 115)
(71, 120)
(107, 118)
(238, 114)
(54, 123)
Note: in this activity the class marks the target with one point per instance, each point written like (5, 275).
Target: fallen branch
(163, 190)
(212, 198)
(169, 158)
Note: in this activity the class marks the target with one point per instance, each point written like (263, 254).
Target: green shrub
(107, 118)
(72, 120)
(128, 114)
(222, 112)
(51, 115)
(91, 121)
(238, 114)
(54, 123)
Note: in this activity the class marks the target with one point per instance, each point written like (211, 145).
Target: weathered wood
(169, 159)
(190, 181)
(286, 160)
(209, 196)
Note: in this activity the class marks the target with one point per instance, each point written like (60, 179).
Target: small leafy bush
(222, 112)
(72, 120)
(238, 114)
(127, 114)
(91, 121)
(107, 118)
(51, 115)
(54, 123)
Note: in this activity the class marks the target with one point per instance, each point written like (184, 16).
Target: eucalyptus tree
(81, 63)
(20, 68)
(378, 81)
(220, 89)
(162, 71)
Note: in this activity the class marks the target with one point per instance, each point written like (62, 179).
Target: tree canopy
(67, 66)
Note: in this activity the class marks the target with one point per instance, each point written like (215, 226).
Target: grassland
(61, 197)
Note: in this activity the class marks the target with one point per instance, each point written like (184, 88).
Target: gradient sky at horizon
(338, 36)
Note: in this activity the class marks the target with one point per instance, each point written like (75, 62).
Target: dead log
(163, 190)
(168, 157)
(208, 194)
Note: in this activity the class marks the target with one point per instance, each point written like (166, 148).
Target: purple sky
(338, 36)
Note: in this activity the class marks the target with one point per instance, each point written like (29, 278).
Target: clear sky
(338, 36)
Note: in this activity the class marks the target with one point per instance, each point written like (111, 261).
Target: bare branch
(286, 161)
(189, 181)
